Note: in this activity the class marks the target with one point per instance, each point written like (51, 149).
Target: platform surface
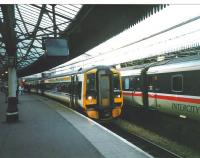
(48, 130)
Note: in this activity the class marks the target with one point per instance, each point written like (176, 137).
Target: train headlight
(118, 96)
(89, 98)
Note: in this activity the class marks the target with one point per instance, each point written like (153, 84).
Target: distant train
(171, 86)
(97, 91)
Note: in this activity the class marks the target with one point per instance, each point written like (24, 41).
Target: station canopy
(34, 22)
(100, 34)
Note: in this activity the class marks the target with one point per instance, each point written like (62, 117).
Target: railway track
(155, 150)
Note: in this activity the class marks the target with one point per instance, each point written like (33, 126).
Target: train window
(79, 89)
(177, 83)
(135, 83)
(131, 83)
(91, 85)
(150, 83)
(116, 83)
(126, 86)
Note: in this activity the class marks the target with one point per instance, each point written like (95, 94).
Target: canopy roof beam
(36, 29)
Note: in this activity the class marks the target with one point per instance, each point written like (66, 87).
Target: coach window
(126, 86)
(137, 84)
(177, 83)
(91, 85)
(79, 89)
(150, 83)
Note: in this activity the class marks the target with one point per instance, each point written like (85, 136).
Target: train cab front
(104, 98)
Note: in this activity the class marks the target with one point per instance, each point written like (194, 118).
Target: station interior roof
(84, 26)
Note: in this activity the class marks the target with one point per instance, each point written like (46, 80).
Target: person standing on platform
(20, 90)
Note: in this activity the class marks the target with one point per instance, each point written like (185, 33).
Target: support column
(12, 111)
(10, 40)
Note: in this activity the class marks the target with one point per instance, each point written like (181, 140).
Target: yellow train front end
(102, 93)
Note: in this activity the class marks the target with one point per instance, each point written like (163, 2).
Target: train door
(152, 95)
(104, 88)
(132, 98)
(76, 92)
(135, 88)
(72, 92)
(127, 91)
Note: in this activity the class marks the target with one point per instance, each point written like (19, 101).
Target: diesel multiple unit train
(170, 86)
(97, 91)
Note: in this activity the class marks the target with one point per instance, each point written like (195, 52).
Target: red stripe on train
(132, 94)
(163, 97)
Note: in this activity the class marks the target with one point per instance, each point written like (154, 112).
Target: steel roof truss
(22, 32)
(40, 28)
(22, 19)
(54, 22)
(35, 30)
(57, 24)
(55, 13)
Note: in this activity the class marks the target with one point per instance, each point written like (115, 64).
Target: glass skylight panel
(49, 7)
(46, 21)
(34, 8)
(65, 12)
(32, 12)
(40, 32)
(17, 28)
(21, 31)
(31, 21)
(24, 11)
(1, 48)
(70, 8)
(37, 44)
(25, 41)
(30, 28)
(63, 27)
(19, 45)
(76, 6)
(1, 15)
(20, 24)
(60, 19)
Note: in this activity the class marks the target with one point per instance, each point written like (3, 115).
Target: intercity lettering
(186, 108)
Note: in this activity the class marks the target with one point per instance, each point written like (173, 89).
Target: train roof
(80, 71)
(172, 65)
(177, 65)
(179, 60)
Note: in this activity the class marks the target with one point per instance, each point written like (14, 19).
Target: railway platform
(47, 129)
